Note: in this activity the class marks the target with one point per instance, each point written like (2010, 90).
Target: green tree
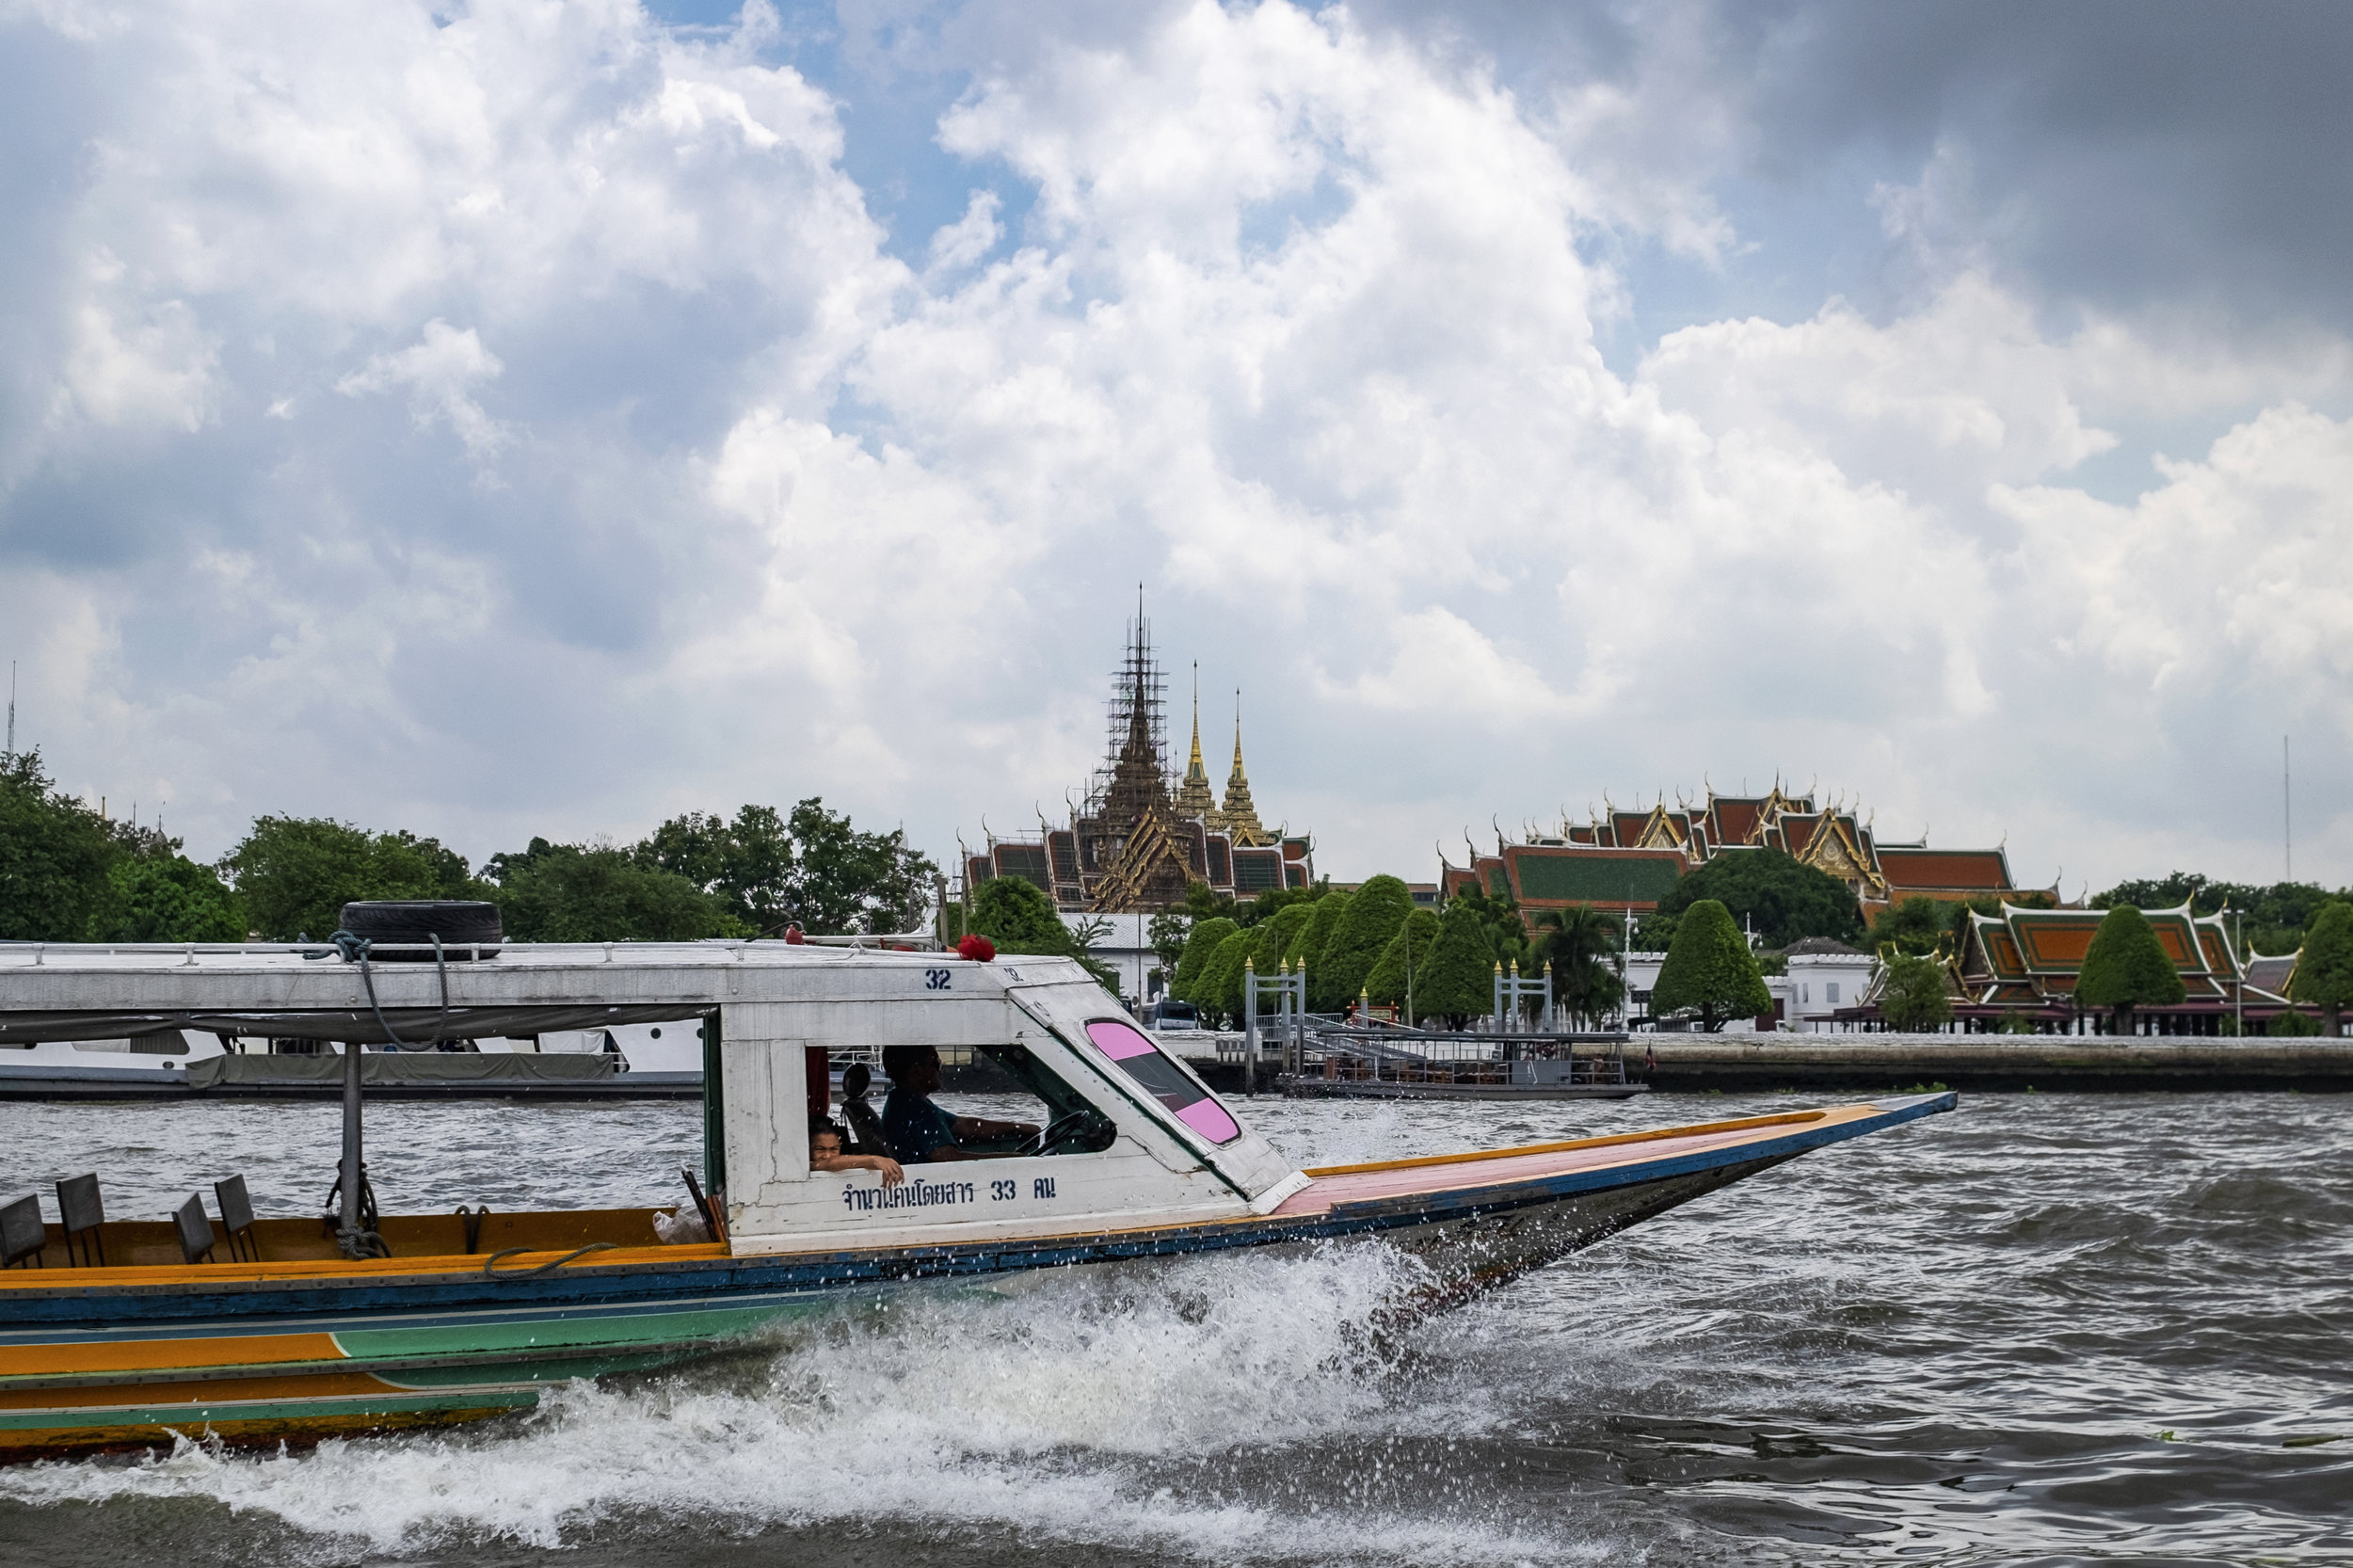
(1167, 934)
(1914, 997)
(1916, 926)
(1459, 984)
(1580, 946)
(1307, 947)
(2272, 917)
(1784, 899)
(2324, 970)
(1266, 905)
(2291, 1024)
(1016, 917)
(1655, 932)
(1508, 941)
(1219, 989)
(2126, 968)
(54, 856)
(294, 874)
(165, 897)
(1404, 964)
(1275, 937)
(1373, 913)
(1201, 945)
(578, 893)
(1204, 902)
(1710, 970)
(812, 867)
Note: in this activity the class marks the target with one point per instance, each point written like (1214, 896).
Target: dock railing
(1344, 1053)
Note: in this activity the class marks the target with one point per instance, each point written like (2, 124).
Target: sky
(512, 418)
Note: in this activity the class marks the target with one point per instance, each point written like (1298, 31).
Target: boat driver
(920, 1131)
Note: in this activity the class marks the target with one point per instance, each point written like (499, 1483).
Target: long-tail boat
(123, 1335)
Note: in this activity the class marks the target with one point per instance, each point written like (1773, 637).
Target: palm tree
(1577, 944)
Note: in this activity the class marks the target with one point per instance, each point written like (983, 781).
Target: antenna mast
(2287, 817)
(11, 752)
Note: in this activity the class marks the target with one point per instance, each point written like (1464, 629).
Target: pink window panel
(1167, 1082)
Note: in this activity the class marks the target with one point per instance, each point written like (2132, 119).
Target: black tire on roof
(461, 923)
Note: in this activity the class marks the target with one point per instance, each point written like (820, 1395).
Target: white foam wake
(1058, 1405)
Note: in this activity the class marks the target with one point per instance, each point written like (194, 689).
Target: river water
(2047, 1329)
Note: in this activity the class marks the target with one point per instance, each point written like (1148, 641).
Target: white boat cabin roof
(1178, 1150)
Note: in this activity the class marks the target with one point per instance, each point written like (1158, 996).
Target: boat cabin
(1125, 1135)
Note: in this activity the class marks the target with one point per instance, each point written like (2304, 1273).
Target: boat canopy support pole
(350, 1228)
(715, 1109)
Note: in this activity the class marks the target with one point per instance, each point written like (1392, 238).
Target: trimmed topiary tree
(1373, 913)
(2324, 970)
(1307, 947)
(1709, 970)
(1275, 939)
(1461, 982)
(1405, 959)
(1914, 997)
(1220, 985)
(1201, 943)
(2126, 968)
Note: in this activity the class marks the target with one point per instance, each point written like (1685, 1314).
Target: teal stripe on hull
(507, 1334)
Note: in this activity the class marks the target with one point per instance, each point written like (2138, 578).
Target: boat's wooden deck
(1336, 1185)
(432, 1239)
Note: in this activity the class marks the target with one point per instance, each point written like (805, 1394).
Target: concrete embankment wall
(1878, 1062)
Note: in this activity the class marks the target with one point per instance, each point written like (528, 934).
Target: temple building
(2029, 960)
(1624, 860)
(1135, 842)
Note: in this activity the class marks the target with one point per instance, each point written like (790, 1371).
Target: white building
(1824, 976)
(1126, 945)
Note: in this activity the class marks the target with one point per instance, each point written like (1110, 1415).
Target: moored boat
(127, 1332)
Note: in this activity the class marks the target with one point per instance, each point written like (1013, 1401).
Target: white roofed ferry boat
(120, 1332)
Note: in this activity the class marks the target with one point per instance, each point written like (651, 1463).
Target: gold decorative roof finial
(1193, 797)
(1238, 817)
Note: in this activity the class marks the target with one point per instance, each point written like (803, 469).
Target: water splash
(1102, 1405)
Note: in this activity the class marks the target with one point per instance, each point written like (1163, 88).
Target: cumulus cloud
(1290, 314)
(438, 372)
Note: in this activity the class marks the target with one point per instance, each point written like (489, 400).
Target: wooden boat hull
(127, 1357)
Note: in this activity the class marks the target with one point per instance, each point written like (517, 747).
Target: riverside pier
(1875, 1063)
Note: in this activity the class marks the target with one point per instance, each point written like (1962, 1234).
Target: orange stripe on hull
(263, 1272)
(148, 1355)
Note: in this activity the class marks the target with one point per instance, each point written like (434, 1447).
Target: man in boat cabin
(920, 1131)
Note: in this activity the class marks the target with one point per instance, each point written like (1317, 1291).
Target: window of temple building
(1831, 991)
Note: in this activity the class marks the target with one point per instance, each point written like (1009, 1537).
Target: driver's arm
(981, 1127)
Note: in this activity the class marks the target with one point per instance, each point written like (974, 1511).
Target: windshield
(1167, 1082)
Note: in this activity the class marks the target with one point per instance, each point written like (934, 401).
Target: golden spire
(1193, 798)
(1239, 816)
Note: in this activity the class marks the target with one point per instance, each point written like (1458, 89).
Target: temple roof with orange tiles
(2028, 957)
(1623, 859)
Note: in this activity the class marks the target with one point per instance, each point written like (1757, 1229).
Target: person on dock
(920, 1131)
(824, 1154)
